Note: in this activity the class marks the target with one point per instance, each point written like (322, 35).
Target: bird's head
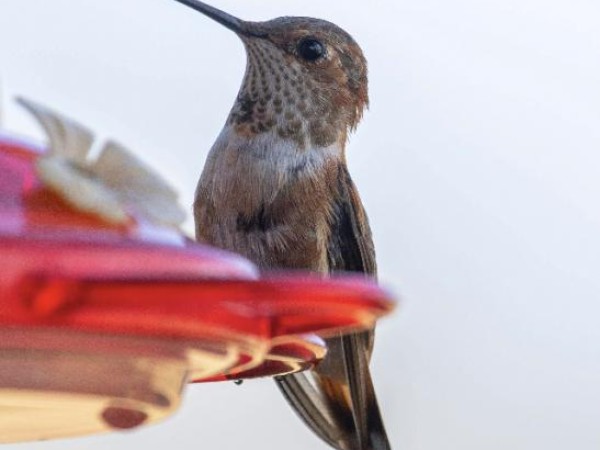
(306, 79)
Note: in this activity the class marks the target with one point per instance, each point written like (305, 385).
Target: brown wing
(350, 247)
(339, 403)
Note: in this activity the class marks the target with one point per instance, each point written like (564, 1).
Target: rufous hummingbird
(276, 188)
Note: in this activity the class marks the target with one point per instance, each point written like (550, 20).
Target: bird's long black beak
(233, 23)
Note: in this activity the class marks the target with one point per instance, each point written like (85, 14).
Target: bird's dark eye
(310, 49)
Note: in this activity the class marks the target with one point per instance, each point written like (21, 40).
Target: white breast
(263, 164)
(243, 175)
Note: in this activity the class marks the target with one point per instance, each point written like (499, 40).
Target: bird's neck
(281, 100)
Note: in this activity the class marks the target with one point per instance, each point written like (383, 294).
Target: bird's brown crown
(306, 80)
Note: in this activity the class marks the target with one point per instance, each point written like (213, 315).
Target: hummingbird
(276, 188)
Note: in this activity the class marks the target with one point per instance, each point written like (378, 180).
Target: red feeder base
(100, 326)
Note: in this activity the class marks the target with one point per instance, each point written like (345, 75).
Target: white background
(479, 166)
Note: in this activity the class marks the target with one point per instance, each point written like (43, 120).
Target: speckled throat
(277, 97)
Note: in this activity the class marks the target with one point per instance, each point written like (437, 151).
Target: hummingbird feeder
(106, 316)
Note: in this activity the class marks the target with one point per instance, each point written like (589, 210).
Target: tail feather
(308, 404)
(337, 399)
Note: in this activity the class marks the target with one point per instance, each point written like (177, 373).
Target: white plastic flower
(115, 187)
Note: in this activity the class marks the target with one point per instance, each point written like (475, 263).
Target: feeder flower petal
(80, 189)
(115, 187)
(138, 184)
(66, 137)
